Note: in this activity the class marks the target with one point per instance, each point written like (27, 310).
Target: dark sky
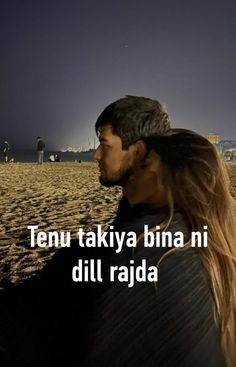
(62, 62)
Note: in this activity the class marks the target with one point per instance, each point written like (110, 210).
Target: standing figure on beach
(40, 149)
(6, 149)
(174, 181)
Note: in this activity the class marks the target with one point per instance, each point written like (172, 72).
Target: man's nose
(97, 154)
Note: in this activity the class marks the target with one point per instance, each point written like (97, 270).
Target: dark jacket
(40, 145)
(170, 325)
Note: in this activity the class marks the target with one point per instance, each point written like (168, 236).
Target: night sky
(62, 62)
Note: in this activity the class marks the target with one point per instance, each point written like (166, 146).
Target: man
(40, 149)
(6, 149)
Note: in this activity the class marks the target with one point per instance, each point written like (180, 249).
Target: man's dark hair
(134, 117)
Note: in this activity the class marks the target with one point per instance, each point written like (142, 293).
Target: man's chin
(108, 183)
(119, 179)
(122, 181)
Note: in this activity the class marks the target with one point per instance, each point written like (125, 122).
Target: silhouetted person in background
(40, 149)
(57, 158)
(6, 150)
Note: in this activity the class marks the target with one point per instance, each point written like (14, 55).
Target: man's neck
(147, 194)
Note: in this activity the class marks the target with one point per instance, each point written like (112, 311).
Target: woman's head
(192, 172)
(197, 183)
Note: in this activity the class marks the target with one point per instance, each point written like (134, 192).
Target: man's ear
(140, 150)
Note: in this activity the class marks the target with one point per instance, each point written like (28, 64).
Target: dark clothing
(170, 326)
(108, 324)
(40, 149)
(40, 145)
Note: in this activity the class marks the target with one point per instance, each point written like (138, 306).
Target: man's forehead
(104, 130)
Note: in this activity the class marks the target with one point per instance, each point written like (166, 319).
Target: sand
(55, 197)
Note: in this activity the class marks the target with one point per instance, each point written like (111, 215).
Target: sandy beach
(54, 197)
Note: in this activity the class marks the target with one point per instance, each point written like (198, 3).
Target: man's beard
(119, 179)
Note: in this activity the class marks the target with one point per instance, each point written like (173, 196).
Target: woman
(197, 184)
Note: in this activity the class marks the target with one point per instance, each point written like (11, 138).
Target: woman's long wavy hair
(197, 183)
